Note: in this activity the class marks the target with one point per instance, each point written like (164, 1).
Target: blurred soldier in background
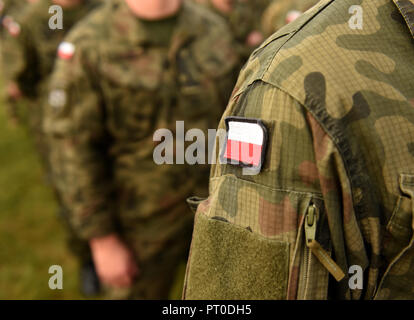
(244, 18)
(282, 12)
(29, 54)
(245, 21)
(9, 9)
(251, 21)
(131, 68)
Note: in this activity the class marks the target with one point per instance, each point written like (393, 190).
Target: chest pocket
(398, 281)
(131, 80)
(248, 244)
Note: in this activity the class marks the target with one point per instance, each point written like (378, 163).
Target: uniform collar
(406, 8)
(129, 26)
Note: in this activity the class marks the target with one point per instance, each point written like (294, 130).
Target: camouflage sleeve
(74, 123)
(16, 50)
(15, 55)
(302, 169)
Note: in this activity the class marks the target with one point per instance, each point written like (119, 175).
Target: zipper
(310, 233)
(307, 260)
(311, 221)
(314, 247)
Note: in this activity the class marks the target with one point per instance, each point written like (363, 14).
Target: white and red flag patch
(246, 142)
(66, 50)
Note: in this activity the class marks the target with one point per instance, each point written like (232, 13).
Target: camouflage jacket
(29, 51)
(119, 83)
(336, 187)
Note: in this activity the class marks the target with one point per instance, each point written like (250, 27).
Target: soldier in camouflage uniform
(29, 55)
(121, 77)
(333, 94)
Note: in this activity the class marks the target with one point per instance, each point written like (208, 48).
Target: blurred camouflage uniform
(244, 19)
(29, 56)
(338, 105)
(120, 79)
(9, 9)
(9, 12)
(281, 12)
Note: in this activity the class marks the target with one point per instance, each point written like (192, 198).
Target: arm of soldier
(14, 64)
(75, 125)
(18, 52)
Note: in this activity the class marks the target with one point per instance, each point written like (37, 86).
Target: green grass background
(31, 236)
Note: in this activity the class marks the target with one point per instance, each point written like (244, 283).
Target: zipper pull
(324, 258)
(310, 223)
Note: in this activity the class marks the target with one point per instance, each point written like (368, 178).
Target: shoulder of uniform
(261, 60)
(91, 28)
(20, 24)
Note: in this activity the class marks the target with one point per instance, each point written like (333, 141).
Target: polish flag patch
(66, 50)
(246, 142)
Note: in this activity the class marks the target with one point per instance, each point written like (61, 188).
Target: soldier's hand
(13, 91)
(114, 262)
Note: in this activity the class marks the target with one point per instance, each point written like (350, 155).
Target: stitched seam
(305, 194)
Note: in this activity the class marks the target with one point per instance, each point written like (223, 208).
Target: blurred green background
(31, 237)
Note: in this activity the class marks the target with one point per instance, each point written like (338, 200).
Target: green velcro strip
(229, 262)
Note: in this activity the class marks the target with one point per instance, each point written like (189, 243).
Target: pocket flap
(231, 262)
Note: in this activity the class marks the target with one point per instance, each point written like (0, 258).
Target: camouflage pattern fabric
(9, 12)
(30, 52)
(123, 80)
(338, 104)
(29, 57)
